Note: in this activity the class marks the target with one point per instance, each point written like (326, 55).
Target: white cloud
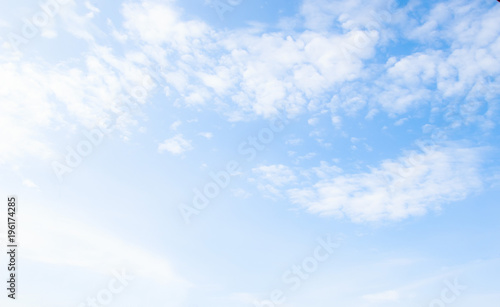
(262, 73)
(175, 145)
(157, 23)
(25, 110)
(313, 121)
(175, 125)
(321, 15)
(258, 72)
(207, 135)
(278, 175)
(397, 189)
(294, 141)
(30, 184)
(75, 245)
(458, 77)
(4, 24)
(307, 156)
(272, 178)
(323, 171)
(240, 193)
(67, 97)
(77, 24)
(401, 121)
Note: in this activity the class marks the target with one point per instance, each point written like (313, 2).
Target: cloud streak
(397, 189)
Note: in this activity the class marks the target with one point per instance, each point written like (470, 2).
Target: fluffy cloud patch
(278, 175)
(397, 189)
(175, 145)
(247, 70)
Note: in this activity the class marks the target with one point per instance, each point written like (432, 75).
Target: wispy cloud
(175, 145)
(74, 245)
(207, 135)
(30, 184)
(397, 189)
(278, 175)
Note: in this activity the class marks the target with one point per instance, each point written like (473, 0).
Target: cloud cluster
(325, 61)
(175, 145)
(251, 70)
(454, 72)
(335, 56)
(396, 189)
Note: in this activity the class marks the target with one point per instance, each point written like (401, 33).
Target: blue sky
(252, 153)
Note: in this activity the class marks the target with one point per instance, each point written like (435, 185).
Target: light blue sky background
(390, 147)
